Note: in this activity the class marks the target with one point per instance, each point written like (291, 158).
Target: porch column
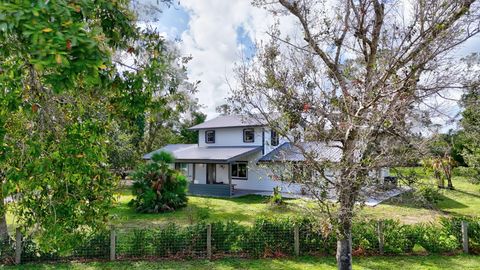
(230, 178)
(193, 172)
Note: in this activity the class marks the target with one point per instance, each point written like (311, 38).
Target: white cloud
(211, 39)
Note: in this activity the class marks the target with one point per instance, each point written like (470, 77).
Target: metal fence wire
(265, 238)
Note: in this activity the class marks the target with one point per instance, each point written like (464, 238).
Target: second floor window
(210, 136)
(274, 138)
(248, 135)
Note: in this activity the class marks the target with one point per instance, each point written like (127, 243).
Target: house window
(274, 138)
(209, 136)
(182, 167)
(248, 135)
(239, 170)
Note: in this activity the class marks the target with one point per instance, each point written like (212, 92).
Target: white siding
(268, 143)
(258, 179)
(222, 173)
(230, 137)
(200, 173)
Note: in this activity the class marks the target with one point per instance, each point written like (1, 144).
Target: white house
(229, 151)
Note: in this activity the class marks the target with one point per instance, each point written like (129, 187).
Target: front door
(211, 171)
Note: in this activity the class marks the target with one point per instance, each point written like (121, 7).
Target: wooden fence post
(209, 241)
(18, 246)
(465, 236)
(296, 239)
(381, 238)
(113, 243)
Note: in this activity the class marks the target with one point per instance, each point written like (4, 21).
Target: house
(229, 156)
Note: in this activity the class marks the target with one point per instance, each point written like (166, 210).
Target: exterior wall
(268, 145)
(258, 179)
(230, 137)
(200, 173)
(222, 173)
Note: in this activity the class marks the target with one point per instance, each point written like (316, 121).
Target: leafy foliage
(268, 237)
(276, 198)
(471, 125)
(157, 187)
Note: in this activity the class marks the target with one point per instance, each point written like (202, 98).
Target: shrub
(453, 226)
(364, 237)
(269, 237)
(427, 195)
(7, 251)
(169, 241)
(435, 239)
(399, 238)
(96, 245)
(316, 237)
(226, 237)
(276, 198)
(157, 187)
(470, 173)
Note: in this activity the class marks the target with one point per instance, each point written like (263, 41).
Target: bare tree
(361, 77)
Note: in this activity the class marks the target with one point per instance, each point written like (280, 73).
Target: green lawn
(464, 200)
(243, 209)
(461, 262)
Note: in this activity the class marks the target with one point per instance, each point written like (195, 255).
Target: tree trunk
(450, 184)
(344, 231)
(440, 181)
(344, 251)
(3, 219)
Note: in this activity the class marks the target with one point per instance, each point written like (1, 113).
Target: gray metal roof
(289, 152)
(224, 121)
(195, 154)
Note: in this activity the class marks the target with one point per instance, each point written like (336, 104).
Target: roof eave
(219, 127)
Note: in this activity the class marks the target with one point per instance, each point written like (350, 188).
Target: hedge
(267, 237)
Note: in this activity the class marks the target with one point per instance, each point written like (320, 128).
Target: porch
(210, 170)
(213, 179)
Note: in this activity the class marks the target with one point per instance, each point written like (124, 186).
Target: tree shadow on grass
(466, 193)
(408, 200)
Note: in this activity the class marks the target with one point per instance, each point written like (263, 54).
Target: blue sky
(220, 33)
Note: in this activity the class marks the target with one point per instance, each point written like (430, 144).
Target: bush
(157, 187)
(427, 195)
(227, 237)
(316, 237)
(365, 237)
(453, 226)
(96, 245)
(269, 238)
(7, 251)
(436, 239)
(399, 238)
(276, 198)
(470, 173)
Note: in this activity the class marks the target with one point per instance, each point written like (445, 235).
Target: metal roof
(224, 121)
(289, 152)
(192, 153)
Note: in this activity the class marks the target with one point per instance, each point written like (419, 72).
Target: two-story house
(229, 151)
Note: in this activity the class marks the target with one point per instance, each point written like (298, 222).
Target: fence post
(465, 236)
(113, 243)
(381, 238)
(296, 239)
(18, 246)
(209, 241)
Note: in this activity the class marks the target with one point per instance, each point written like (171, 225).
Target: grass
(243, 209)
(461, 262)
(464, 200)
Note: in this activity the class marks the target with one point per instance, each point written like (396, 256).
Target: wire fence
(265, 238)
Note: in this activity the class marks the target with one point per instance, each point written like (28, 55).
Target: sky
(219, 33)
